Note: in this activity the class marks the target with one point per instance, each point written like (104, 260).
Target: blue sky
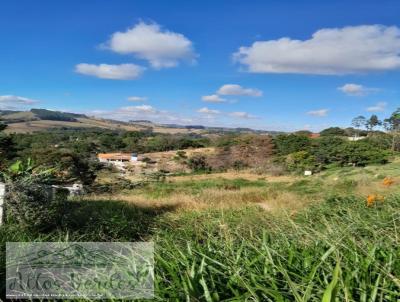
(278, 65)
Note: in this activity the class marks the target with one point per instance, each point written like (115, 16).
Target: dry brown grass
(265, 198)
(367, 187)
(42, 125)
(248, 175)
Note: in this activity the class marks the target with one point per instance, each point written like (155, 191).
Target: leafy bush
(300, 161)
(239, 165)
(198, 164)
(333, 131)
(325, 149)
(379, 140)
(33, 204)
(180, 155)
(286, 144)
(361, 154)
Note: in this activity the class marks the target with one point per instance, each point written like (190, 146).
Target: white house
(118, 159)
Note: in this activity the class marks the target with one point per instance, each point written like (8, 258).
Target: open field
(42, 125)
(239, 236)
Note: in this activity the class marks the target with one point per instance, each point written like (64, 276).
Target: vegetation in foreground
(234, 236)
(232, 248)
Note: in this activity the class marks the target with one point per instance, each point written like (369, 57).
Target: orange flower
(388, 181)
(373, 198)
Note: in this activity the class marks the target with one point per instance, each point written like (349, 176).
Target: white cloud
(138, 109)
(319, 113)
(113, 72)
(213, 98)
(356, 89)
(162, 48)
(347, 50)
(379, 107)
(241, 114)
(234, 89)
(141, 112)
(206, 110)
(137, 99)
(16, 100)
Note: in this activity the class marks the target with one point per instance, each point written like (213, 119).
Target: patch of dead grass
(231, 175)
(214, 198)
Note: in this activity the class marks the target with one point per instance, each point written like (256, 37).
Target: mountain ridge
(43, 120)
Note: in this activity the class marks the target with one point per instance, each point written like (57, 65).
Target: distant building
(314, 135)
(117, 158)
(355, 138)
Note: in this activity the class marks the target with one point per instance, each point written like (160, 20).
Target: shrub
(180, 155)
(326, 148)
(333, 131)
(239, 165)
(300, 161)
(361, 154)
(33, 204)
(286, 144)
(198, 164)
(379, 140)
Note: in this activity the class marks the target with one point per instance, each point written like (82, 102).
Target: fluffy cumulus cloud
(234, 89)
(318, 113)
(379, 107)
(112, 72)
(241, 114)
(141, 112)
(137, 99)
(213, 98)
(206, 110)
(161, 48)
(330, 51)
(356, 89)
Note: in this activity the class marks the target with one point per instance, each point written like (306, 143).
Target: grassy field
(241, 236)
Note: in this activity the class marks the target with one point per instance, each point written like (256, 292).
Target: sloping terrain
(43, 119)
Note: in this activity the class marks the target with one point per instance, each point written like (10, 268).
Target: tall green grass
(336, 250)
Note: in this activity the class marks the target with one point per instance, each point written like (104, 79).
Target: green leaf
(331, 290)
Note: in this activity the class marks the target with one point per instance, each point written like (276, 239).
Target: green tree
(358, 122)
(7, 146)
(286, 144)
(392, 125)
(300, 161)
(198, 164)
(333, 131)
(303, 132)
(360, 153)
(372, 122)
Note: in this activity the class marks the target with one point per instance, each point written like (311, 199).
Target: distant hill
(43, 120)
(49, 115)
(11, 116)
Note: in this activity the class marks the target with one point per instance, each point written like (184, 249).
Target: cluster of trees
(390, 124)
(7, 150)
(72, 152)
(56, 115)
(299, 152)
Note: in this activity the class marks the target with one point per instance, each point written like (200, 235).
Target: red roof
(115, 156)
(314, 135)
